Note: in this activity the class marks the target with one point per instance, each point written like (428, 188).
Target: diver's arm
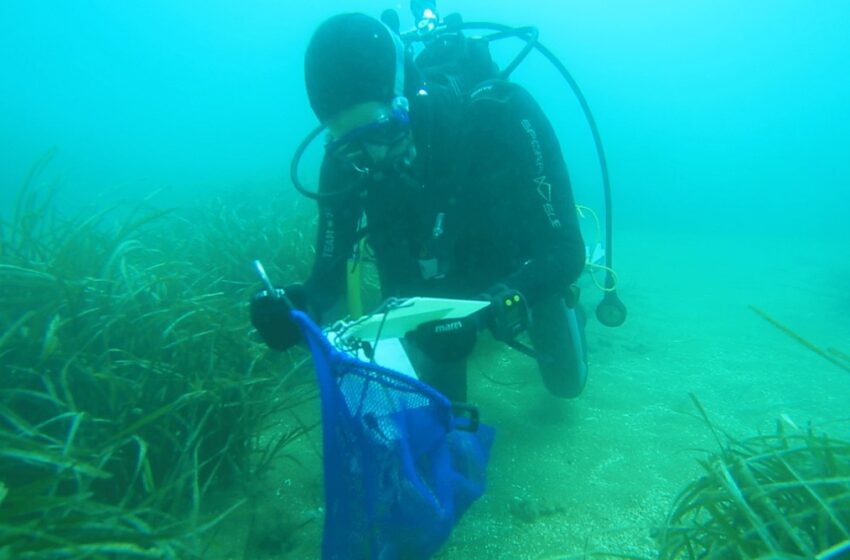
(270, 309)
(336, 236)
(541, 186)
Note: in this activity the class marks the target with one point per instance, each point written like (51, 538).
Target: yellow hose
(593, 267)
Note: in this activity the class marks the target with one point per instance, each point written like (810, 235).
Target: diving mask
(369, 145)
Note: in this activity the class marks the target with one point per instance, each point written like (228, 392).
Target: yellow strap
(352, 281)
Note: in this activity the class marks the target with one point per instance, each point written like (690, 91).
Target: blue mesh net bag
(400, 466)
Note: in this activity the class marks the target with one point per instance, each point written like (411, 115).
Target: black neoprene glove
(446, 340)
(271, 316)
(507, 314)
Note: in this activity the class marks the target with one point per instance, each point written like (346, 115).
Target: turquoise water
(711, 112)
(727, 131)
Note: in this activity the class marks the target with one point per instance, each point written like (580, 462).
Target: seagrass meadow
(140, 417)
(781, 495)
(131, 387)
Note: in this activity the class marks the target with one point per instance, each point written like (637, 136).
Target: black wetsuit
(490, 164)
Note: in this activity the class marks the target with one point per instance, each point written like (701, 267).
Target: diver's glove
(507, 314)
(446, 340)
(271, 316)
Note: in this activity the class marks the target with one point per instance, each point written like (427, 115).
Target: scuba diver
(456, 179)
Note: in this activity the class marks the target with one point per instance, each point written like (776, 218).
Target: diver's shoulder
(497, 104)
(498, 90)
(337, 178)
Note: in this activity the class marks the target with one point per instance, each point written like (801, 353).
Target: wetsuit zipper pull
(430, 266)
(437, 232)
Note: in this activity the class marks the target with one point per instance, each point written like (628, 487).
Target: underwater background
(714, 114)
(727, 131)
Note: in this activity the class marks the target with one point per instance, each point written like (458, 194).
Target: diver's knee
(565, 384)
(563, 351)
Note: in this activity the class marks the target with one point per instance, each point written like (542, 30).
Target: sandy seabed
(598, 473)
